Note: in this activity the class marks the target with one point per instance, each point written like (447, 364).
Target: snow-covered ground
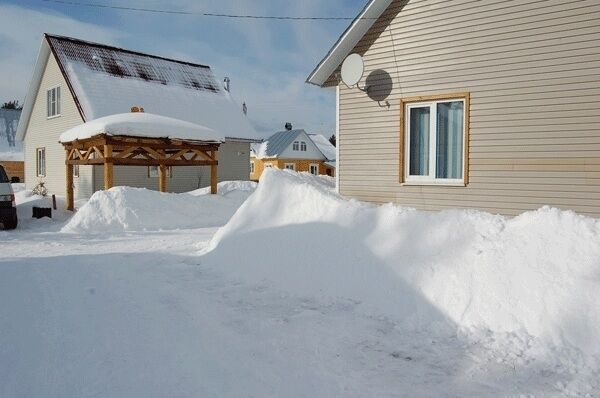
(302, 293)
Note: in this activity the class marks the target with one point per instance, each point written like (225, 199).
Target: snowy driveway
(140, 315)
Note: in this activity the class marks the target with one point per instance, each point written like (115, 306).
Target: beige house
(75, 81)
(491, 105)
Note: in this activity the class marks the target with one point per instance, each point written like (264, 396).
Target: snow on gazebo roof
(143, 125)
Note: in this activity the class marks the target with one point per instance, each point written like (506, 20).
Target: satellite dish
(352, 69)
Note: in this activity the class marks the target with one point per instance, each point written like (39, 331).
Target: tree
(14, 104)
(332, 139)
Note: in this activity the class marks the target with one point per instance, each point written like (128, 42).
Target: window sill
(52, 117)
(433, 183)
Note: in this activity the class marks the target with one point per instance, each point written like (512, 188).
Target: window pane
(58, 100)
(449, 151)
(419, 141)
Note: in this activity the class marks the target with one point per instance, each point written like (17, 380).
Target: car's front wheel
(10, 223)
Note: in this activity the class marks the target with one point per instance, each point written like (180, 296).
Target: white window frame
(316, 166)
(57, 102)
(40, 162)
(293, 166)
(431, 179)
(269, 165)
(303, 146)
(252, 167)
(154, 173)
(296, 146)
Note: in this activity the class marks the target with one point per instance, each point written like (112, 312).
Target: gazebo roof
(142, 125)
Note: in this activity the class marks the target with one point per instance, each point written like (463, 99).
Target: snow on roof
(140, 124)
(326, 148)
(347, 41)
(108, 80)
(275, 144)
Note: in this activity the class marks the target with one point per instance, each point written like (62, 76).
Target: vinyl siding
(532, 68)
(42, 132)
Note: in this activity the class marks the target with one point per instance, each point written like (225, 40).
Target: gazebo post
(162, 178)
(214, 178)
(108, 167)
(69, 190)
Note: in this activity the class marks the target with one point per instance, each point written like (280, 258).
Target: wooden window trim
(465, 96)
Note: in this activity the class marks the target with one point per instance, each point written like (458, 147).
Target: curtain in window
(449, 151)
(419, 141)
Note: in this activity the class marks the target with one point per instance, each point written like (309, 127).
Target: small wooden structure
(108, 151)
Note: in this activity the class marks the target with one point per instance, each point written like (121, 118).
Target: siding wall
(44, 133)
(532, 68)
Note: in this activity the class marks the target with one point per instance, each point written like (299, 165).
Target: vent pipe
(226, 82)
(288, 126)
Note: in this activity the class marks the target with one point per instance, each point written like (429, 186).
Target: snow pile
(26, 201)
(125, 209)
(534, 278)
(141, 124)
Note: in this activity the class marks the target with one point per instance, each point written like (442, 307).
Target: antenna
(352, 70)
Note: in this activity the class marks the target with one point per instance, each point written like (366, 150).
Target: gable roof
(106, 80)
(275, 144)
(326, 148)
(347, 41)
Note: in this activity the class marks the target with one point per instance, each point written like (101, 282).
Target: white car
(8, 208)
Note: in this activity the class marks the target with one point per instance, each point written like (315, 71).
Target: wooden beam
(214, 177)
(162, 178)
(108, 167)
(143, 162)
(69, 175)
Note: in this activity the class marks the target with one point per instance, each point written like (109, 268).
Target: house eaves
(347, 41)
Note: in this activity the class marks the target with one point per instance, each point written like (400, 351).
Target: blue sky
(267, 61)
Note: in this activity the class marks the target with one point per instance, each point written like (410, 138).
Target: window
(296, 146)
(303, 146)
(75, 170)
(153, 171)
(53, 102)
(251, 167)
(314, 169)
(40, 162)
(290, 166)
(268, 165)
(434, 141)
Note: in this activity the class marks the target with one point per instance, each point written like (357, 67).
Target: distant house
(75, 81)
(11, 150)
(483, 104)
(294, 150)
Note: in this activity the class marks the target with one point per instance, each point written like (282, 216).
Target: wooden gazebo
(107, 150)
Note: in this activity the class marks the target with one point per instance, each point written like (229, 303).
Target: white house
(75, 81)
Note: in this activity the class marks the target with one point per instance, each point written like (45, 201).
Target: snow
(126, 209)
(326, 148)
(301, 293)
(141, 124)
(216, 110)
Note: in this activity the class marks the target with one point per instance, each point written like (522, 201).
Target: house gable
(312, 152)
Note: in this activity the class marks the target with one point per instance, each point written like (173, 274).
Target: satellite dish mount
(353, 69)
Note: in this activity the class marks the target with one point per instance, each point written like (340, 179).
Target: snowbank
(122, 209)
(26, 201)
(535, 277)
(142, 124)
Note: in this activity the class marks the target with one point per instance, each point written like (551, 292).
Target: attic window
(303, 146)
(296, 146)
(53, 102)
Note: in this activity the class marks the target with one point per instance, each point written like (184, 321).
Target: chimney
(136, 109)
(226, 82)
(288, 126)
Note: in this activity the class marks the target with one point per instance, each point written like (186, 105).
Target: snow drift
(125, 209)
(534, 278)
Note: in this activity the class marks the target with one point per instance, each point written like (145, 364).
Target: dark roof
(119, 62)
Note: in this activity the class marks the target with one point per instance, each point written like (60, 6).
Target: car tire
(11, 223)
